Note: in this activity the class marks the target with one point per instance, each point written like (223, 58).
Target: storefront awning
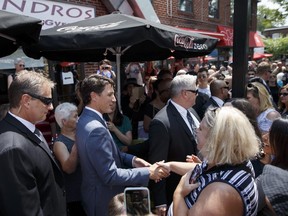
(254, 39)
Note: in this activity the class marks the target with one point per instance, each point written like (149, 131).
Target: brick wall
(198, 19)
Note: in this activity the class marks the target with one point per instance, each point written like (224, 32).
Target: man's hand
(157, 173)
(139, 162)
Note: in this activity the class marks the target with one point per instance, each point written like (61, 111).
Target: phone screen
(138, 92)
(195, 174)
(137, 201)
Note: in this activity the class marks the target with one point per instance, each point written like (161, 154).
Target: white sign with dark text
(51, 12)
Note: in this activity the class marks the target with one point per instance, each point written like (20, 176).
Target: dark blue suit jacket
(103, 165)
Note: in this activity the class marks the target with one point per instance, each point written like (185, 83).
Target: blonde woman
(224, 182)
(259, 97)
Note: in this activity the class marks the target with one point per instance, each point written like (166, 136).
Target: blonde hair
(259, 91)
(231, 139)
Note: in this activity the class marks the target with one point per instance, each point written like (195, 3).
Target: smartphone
(137, 201)
(195, 174)
(138, 92)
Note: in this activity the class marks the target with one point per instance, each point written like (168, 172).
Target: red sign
(254, 39)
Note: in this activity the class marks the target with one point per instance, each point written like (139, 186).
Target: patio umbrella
(261, 55)
(118, 35)
(17, 30)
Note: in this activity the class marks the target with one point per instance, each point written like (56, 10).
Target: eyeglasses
(45, 100)
(226, 87)
(283, 94)
(193, 91)
(105, 68)
(21, 65)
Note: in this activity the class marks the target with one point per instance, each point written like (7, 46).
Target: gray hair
(18, 60)
(183, 82)
(27, 82)
(64, 111)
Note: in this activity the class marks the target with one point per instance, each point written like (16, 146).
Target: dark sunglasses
(21, 65)
(193, 91)
(283, 94)
(105, 68)
(45, 100)
(226, 87)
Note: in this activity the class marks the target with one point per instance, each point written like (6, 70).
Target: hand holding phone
(195, 174)
(137, 200)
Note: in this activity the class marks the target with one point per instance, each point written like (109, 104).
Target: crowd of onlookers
(204, 151)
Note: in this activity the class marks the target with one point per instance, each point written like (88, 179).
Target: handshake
(161, 170)
(157, 170)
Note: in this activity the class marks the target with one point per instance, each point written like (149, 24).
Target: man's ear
(25, 100)
(94, 96)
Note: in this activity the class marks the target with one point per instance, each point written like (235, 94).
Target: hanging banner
(51, 12)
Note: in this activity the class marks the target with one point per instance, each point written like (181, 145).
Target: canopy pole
(118, 74)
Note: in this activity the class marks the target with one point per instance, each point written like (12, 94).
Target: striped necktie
(192, 124)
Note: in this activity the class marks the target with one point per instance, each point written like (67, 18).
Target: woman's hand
(193, 159)
(184, 187)
(111, 126)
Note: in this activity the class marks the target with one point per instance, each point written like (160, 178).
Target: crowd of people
(179, 133)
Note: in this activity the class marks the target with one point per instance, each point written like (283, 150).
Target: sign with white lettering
(51, 12)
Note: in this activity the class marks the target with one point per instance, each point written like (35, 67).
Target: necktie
(38, 133)
(192, 124)
(41, 137)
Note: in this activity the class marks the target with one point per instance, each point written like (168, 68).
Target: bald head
(219, 88)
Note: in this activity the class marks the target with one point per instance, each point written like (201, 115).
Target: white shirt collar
(97, 112)
(28, 124)
(218, 101)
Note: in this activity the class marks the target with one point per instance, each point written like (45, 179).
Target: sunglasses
(44, 100)
(105, 68)
(21, 65)
(283, 94)
(193, 91)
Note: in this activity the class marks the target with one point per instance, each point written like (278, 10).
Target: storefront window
(186, 5)
(213, 6)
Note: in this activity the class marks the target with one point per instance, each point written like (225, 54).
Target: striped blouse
(240, 177)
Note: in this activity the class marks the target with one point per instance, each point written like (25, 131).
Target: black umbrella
(118, 35)
(136, 39)
(17, 30)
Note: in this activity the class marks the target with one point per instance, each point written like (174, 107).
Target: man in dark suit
(219, 94)
(172, 136)
(31, 182)
(103, 165)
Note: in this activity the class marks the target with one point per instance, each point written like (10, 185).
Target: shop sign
(52, 13)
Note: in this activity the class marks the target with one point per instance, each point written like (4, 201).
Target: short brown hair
(94, 83)
(263, 67)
